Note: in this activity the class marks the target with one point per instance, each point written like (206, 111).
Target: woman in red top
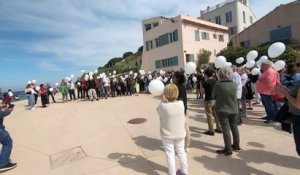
(44, 95)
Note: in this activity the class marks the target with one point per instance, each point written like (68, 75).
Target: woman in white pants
(172, 130)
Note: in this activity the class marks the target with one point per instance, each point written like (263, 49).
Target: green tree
(140, 49)
(127, 54)
(203, 57)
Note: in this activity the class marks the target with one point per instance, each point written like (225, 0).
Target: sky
(47, 40)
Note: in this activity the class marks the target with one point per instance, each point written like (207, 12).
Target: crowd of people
(228, 94)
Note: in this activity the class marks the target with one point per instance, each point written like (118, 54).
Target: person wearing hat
(5, 140)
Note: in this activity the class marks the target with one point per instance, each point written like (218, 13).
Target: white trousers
(178, 144)
(257, 96)
(92, 94)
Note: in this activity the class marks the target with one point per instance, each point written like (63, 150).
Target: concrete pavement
(94, 138)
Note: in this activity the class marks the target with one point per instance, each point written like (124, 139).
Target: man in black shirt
(209, 103)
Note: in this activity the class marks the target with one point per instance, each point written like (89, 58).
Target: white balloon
(33, 81)
(101, 76)
(190, 67)
(56, 84)
(126, 76)
(255, 71)
(37, 88)
(220, 61)
(114, 72)
(78, 83)
(276, 49)
(142, 77)
(263, 58)
(91, 73)
(82, 71)
(109, 74)
(156, 87)
(250, 64)
(130, 72)
(28, 82)
(279, 65)
(194, 79)
(228, 64)
(166, 79)
(258, 63)
(51, 89)
(150, 77)
(252, 55)
(72, 76)
(239, 60)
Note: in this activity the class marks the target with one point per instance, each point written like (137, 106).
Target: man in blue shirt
(5, 140)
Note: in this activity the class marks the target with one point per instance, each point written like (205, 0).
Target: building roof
(202, 23)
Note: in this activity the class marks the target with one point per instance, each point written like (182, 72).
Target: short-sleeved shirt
(267, 88)
(208, 85)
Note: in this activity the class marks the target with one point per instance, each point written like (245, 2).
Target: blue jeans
(269, 106)
(31, 100)
(6, 142)
(296, 131)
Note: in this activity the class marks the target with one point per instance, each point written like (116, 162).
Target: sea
(20, 94)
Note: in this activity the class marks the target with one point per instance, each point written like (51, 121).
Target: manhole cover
(137, 121)
(66, 157)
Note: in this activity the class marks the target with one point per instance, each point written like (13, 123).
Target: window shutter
(157, 64)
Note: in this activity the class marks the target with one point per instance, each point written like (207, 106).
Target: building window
(156, 42)
(149, 45)
(168, 62)
(232, 30)
(163, 39)
(155, 24)
(147, 27)
(215, 36)
(221, 38)
(244, 16)
(205, 35)
(251, 19)
(228, 17)
(173, 36)
(245, 44)
(197, 35)
(189, 58)
(281, 34)
(218, 19)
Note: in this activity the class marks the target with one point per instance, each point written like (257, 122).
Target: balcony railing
(209, 9)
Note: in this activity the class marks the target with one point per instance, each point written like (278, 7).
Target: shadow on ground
(133, 162)
(148, 143)
(228, 165)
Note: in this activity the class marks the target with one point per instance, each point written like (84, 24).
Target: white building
(235, 14)
(169, 43)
